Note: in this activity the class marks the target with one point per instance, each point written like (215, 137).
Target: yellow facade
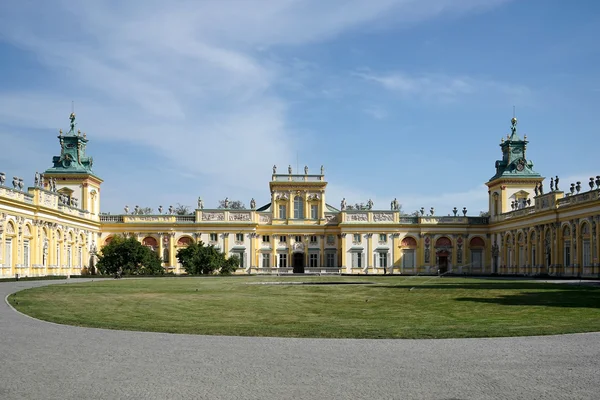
(298, 231)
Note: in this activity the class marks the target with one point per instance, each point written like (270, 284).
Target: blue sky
(396, 98)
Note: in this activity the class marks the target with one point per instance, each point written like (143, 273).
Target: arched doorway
(298, 263)
(443, 251)
(442, 257)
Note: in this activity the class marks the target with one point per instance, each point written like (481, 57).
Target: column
(172, 256)
(273, 252)
(369, 255)
(322, 251)
(393, 245)
(342, 249)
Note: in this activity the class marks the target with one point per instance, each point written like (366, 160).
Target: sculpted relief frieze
(265, 219)
(359, 217)
(383, 217)
(239, 216)
(213, 216)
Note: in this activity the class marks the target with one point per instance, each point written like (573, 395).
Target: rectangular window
(69, 257)
(313, 260)
(239, 237)
(313, 239)
(382, 237)
(298, 238)
(587, 255)
(213, 237)
(533, 256)
(356, 238)
(26, 253)
(314, 212)
(383, 257)
(266, 238)
(282, 211)
(8, 252)
(241, 257)
(567, 254)
(80, 257)
(58, 255)
(283, 260)
(521, 256)
(476, 258)
(357, 260)
(330, 260)
(408, 258)
(283, 239)
(266, 260)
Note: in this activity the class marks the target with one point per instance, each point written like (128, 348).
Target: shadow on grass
(589, 298)
(493, 286)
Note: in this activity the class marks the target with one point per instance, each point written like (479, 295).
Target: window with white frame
(383, 259)
(587, 254)
(283, 260)
(283, 239)
(357, 258)
(58, 254)
(567, 253)
(80, 256)
(382, 237)
(239, 237)
(298, 238)
(313, 260)
(533, 255)
(8, 252)
(213, 237)
(298, 207)
(330, 260)
(356, 238)
(521, 256)
(266, 260)
(26, 253)
(313, 239)
(69, 256)
(408, 258)
(314, 211)
(476, 258)
(266, 238)
(282, 211)
(240, 255)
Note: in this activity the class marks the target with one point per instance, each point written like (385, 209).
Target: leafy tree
(233, 204)
(484, 214)
(200, 259)
(182, 210)
(128, 256)
(146, 211)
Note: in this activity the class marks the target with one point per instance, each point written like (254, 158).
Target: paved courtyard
(40, 360)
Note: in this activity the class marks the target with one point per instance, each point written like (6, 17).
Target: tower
(514, 183)
(73, 173)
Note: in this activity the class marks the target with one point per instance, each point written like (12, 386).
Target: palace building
(55, 227)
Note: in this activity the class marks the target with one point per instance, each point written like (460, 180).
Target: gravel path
(40, 360)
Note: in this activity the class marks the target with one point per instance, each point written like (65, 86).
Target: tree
(182, 210)
(484, 214)
(146, 211)
(200, 259)
(128, 256)
(233, 205)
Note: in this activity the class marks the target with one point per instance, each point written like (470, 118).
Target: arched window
(298, 208)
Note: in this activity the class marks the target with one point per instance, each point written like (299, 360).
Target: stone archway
(443, 255)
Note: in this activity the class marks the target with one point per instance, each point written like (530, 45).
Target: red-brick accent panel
(150, 241)
(443, 241)
(184, 241)
(408, 241)
(477, 242)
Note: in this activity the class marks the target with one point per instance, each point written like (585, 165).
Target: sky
(403, 99)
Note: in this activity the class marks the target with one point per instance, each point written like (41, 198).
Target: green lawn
(386, 307)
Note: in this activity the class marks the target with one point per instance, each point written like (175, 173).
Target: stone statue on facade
(2, 178)
(21, 184)
(274, 169)
(42, 183)
(541, 188)
(200, 203)
(54, 184)
(556, 183)
(536, 189)
(306, 170)
(343, 204)
(289, 169)
(370, 204)
(36, 181)
(15, 182)
(322, 170)
(160, 209)
(136, 210)
(552, 184)
(126, 209)
(252, 204)
(74, 202)
(226, 202)
(171, 210)
(513, 127)
(395, 206)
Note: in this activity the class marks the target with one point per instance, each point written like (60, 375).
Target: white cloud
(191, 80)
(440, 87)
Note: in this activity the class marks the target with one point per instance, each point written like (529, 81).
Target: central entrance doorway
(298, 263)
(443, 261)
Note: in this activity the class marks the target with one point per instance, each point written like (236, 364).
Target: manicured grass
(388, 307)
